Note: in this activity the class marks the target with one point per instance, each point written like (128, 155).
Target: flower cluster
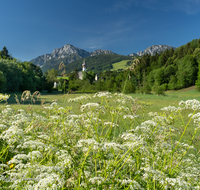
(79, 99)
(124, 99)
(190, 104)
(4, 97)
(103, 94)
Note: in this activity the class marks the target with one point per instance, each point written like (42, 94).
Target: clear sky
(29, 28)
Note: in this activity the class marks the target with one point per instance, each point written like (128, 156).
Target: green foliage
(198, 79)
(168, 72)
(187, 71)
(75, 84)
(196, 54)
(21, 76)
(2, 82)
(160, 77)
(90, 76)
(151, 77)
(172, 83)
(4, 53)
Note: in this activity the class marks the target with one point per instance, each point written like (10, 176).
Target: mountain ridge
(67, 51)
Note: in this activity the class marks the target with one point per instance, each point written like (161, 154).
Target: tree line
(169, 70)
(18, 76)
(172, 69)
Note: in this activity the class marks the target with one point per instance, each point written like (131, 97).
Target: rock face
(100, 51)
(153, 49)
(67, 51)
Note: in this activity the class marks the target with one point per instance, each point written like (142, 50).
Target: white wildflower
(96, 180)
(130, 116)
(102, 94)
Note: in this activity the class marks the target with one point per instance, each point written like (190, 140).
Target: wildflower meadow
(106, 146)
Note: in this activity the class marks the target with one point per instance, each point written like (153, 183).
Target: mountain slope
(68, 53)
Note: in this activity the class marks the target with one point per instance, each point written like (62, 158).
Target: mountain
(69, 53)
(152, 50)
(72, 57)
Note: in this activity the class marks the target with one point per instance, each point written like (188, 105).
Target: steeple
(84, 66)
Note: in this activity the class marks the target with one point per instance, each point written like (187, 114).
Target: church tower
(84, 66)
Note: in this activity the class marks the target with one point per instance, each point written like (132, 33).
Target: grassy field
(100, 141)
(155, 103)
(120, 65)
(171, 98)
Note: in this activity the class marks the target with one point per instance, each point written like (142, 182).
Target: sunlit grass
(120, 65)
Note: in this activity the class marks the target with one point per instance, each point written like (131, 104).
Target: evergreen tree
(4, 53)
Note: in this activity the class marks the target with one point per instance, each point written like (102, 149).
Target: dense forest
(18, 76)
(169, 70)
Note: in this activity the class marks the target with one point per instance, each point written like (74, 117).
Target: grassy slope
(120, 65)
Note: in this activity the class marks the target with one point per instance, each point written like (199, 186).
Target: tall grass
(108, 145)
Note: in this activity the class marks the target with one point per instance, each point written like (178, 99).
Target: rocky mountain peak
(67, 50)
(153, 49)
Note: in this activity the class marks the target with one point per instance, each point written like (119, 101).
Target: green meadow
(148, 102)
(120, 65)
(100, 141)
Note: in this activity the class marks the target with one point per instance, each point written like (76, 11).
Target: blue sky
(30, 28)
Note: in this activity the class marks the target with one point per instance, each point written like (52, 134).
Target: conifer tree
(4, 52)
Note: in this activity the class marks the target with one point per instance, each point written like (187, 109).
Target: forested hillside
(172, 69)
(18, 76)
(96, 63)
